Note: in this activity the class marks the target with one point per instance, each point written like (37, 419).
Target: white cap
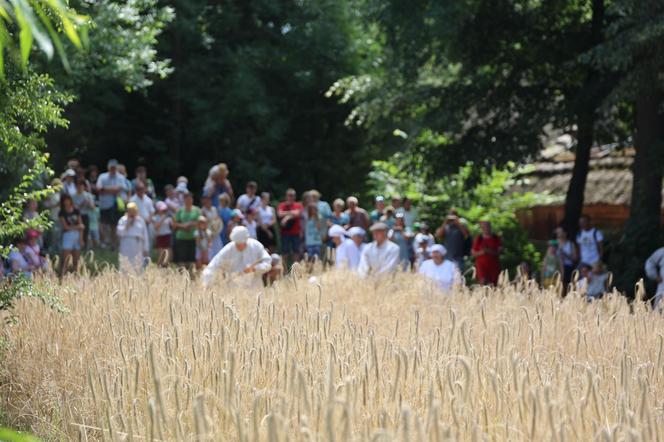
(356, 231)
(70, 172)
(336, 231)
(240, 235)
(181, 187)
(438, 248)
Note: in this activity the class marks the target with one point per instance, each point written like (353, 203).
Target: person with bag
(249, 200)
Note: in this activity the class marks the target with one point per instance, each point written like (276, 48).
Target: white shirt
(266, 215)
(348, 255)
(145, 206)
(251, 227)
(246, 202)
(378, 260)
(445, 276)
(231, 260)
(588, 241)
(134, 243)
(429, 238)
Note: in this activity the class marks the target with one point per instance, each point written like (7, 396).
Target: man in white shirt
(655, 271)
(349, 251)
(143, 202)
(244, 258)
(249, 200)
(381, 256)
(590, 241)
(444, 273)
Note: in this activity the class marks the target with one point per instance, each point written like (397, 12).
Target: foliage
(475, 193)
(247, 88)
(31, 105)
(42, 21)
(8, 435)
(17, 287)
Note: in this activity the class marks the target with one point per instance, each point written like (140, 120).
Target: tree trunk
(594, 94)
(577, 185)
(643, 229)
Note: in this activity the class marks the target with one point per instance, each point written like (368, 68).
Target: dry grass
(157, 357)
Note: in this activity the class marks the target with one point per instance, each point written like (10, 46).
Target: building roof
(609, 179)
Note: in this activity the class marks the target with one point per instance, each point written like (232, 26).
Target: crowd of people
(243, 234)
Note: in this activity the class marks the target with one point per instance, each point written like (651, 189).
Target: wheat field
(157, 357)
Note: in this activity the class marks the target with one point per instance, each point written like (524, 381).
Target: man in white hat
(348, 250)
(381, 256)
(444, 273)
(244, 257)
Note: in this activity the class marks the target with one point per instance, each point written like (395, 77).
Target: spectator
(336, 236)
(249, 200)
(594, 281)
(590, 241)
(84, 202)
(215, 224)
(290, 218)
(171, 200)
(226, 214)
(72, 228)
(203, 242)
(568, 254)
(94, 240)
(181, 190)
(454, 236)
(324, 209)
(487, 248)
(379, 209)
(349, 251)
(410, 214)
(142, 176)
(314, 233)
(552, 265)
(16, 261)
(31, 210)
(443, 272)
(389, 217)
(251, 224)
(145, 205)
(358, 217)
(93, 176)
(217, 184)
(402, 236)
(80, 175)
(243, 256)
(52, 204)
(381, 256)
(134, 242)
(655, 271)
(422, 251)
(237, 219)
(338, 216)
(33, 253)
(162, 222)
(125, 193)
(425, 235)
(109, 186)
(396, 203)
(69, 182)
(267, 218)
(185, 231)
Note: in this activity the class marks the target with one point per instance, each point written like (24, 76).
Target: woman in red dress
(487, 248)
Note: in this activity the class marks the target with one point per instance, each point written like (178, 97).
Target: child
(595, 281)
(172, 201)
(551, 265)
(33, 251)
(93, 227)
(251, 224)
(163, 226)
(422, 252)
(203, 242)
(215, 224)
(237, 219)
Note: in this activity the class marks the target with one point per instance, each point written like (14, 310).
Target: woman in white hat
(134, 241)
(444, 273)
(244, 258)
